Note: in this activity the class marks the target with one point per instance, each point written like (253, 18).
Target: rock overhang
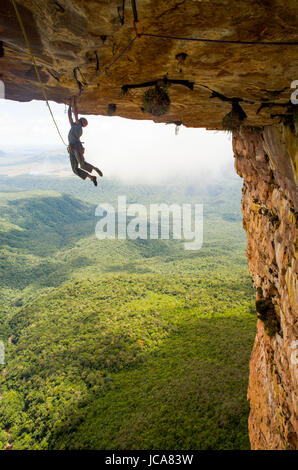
(74, 41)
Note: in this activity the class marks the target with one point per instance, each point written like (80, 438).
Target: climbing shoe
(98, 171)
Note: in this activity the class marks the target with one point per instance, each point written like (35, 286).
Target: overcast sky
(134, 151)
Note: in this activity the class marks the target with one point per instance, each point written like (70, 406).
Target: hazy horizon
(126, 150)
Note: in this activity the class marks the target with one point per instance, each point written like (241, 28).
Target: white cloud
(127, 149)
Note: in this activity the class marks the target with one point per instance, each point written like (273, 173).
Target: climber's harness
(76, 147)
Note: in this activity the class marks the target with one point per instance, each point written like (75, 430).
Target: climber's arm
(70, 115)
(75, 109)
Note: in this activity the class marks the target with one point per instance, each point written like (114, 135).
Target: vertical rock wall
(267, 161)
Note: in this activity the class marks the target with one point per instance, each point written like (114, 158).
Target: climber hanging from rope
(75, 148)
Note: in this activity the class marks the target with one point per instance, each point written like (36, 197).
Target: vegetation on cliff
(120, 343)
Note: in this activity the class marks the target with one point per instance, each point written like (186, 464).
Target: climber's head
(84, 122)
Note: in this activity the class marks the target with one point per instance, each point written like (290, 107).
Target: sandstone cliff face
(269, 206)
(77, 44)
(74, 37)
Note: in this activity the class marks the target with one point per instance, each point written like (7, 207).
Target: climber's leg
(88, 167)
(74, 165)
(85, 165)
(98, 171)
(76, 158)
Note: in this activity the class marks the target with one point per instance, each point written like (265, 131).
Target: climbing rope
(99, 73)
(120, 55)
(35, 67)
(38, 74)
(138, 35)
(220, 41)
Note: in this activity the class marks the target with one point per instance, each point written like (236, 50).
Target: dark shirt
(75, 133)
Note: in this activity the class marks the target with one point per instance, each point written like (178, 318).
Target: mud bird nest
(234, 119)
(156, 100)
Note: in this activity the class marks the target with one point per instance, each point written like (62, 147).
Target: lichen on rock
(269, 204)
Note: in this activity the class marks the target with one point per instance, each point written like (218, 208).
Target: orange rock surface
(90, 34)
(269, 206)
(78, 46)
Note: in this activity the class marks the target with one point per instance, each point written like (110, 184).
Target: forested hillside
(128, 344)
